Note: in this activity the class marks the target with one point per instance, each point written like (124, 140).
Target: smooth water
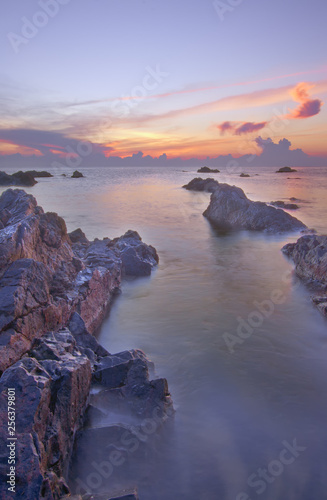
(237, 404)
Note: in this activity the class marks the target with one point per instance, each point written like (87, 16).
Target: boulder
(39, 173)
(208, 185)
(17, 179)
(229, 209)
(137, 257)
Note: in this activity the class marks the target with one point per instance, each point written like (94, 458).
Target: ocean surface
(251, 408)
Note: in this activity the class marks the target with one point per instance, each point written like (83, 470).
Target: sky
(189, 79)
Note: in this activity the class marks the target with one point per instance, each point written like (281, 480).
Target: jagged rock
(229, 209)
(39, 173)
(51, 389)
(207, 170)
(208, 185)
(77, 175)
(17, 179)
(46, 274)
(137, 257)
(285, 170)
(309, 255)
(286, 206)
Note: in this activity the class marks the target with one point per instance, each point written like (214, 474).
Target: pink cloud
(240, 128)
(307, 107)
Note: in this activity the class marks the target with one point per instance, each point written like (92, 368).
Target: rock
(207, 170)
(198, 184)
(286, 206)
(39, 173)
(73, 274)
(244, 175)
(17, 179)
(129, 496)
(285, 169)
(229, 209)
(77, 175)
(51, 394)
(138, 259)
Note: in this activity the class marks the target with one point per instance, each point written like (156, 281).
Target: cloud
(240, 128)
(308, 107)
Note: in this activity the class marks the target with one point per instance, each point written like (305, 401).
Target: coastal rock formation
(309, 255)
(55, 290)
(207, 170)
(45, 277)
(77, 175)
(229, 209)
(285, 206)
(244, 175)
(207, 185)
(17, 179)
(39, 173)
(285, 170)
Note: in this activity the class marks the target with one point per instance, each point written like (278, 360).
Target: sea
(225, 321)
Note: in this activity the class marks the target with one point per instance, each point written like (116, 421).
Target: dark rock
(39, 173)
(244, 175)
(229, 209)
(309, 255)
(130, 496)
(285, 206)
(137, 257)
(198, 184)
(77, 175)
(285, 170)
(51, 394)
(17, 179)
(78, 236)
(207, 170)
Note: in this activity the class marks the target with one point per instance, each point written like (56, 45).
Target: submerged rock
(285, 170)
(207, 170)
(17, 179)
(229, 208)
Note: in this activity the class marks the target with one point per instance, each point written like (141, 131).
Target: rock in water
(286, 206)
(208, 185)
(17, 179)
(309, 255)
(47, 275)
(229, 208)
(207, 170)
(77, 175)
(39, 173)
(285, 170)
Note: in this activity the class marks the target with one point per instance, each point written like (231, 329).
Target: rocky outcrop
(17, 179)
(309, 255)
(229, 209)
(285, 206)
(207, 170)
(77, 175)
(285, 170)
(45, 275)
(207, 185)
(39, 173)
(55, 291)
(244, 175)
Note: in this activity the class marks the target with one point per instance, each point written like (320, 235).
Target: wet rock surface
(309, 255)
(55, 291)
(230, 209)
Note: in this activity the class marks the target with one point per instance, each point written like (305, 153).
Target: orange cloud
(308, 107)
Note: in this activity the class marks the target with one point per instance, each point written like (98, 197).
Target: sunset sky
(186, 78)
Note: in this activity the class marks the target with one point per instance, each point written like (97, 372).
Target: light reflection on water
(234, 410)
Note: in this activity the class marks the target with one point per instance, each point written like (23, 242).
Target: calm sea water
(236, 405)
